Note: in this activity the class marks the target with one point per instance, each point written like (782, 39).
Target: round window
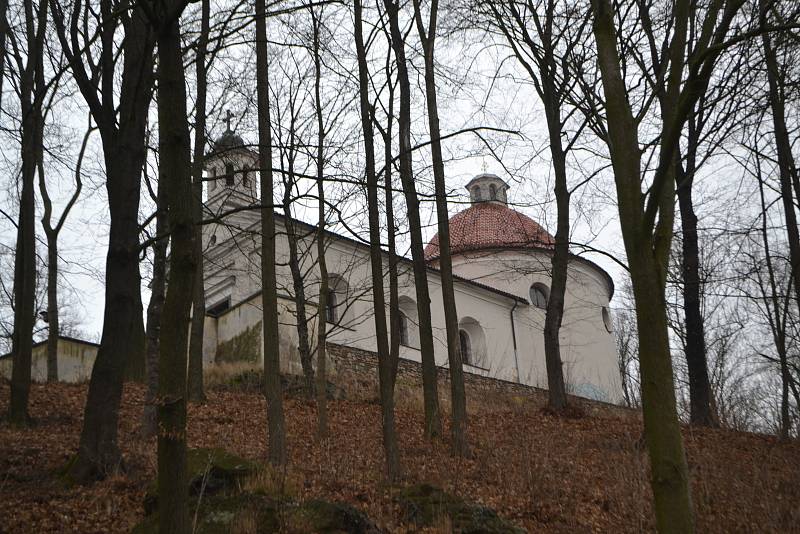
(607, 321)
(539, 294)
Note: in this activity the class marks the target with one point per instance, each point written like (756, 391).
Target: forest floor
(542, 473)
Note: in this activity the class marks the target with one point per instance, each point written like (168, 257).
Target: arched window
(492, 192)
(539, 294)
(246, 176)
(472, 342)
(331, 306)
(466, 347)
(409, 335)
(338, 311)
(607, 321)
(404, 339)
(229, 174)
(476, 193)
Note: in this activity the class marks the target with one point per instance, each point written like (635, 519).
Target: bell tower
(231, 169)
(488, 188)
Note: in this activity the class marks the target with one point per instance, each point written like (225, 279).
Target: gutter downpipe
(514, 338)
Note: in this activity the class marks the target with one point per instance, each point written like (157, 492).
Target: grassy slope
(543, 473)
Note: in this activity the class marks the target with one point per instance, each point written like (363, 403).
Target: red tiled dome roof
(489, 225)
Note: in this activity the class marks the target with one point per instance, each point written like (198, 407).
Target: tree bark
(51, 233)
(195, 375)
(271, 342)
(433, 422)
(322, 328)
(32, 92)
(786, 163)
(700, 396)
(176, 172)
(154, 313)
(385, 380)
(122, 340)
(298, 284)
(647, 252)
(778, 317)
(556, 390)
(458, 400)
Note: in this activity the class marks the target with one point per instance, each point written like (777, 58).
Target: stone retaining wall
(358, 369)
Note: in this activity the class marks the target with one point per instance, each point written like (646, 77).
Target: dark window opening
(540, 294)
(466, 347)
(330, 308)
(218, 309)
(246, 177)
(228, 174)
(492, 192)
(404, 339)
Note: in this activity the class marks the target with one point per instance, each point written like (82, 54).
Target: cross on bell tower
(228, 117)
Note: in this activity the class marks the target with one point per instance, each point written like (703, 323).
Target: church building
(501, 263)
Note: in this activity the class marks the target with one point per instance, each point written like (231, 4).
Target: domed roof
(228, 140)
(491, 225)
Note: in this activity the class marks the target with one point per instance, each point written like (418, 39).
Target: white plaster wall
(588, 350)
(75, 362)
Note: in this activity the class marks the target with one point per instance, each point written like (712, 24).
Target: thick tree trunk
(154, 312)
(385, 380)
(433, 422)
(176, 171)
(195, 376)
(458, 400)
(24, 273)
(123, 332)
(121, 123)
(269, 295)
(31, 91)
(647, 251)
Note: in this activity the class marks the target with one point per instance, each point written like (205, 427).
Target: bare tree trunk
(269, 295)
(3, 35)
(700, 396)
(298, 284)
(154, 313)
(556, 390)
(303, 345)
(458, 426)
(31, 92)
(121, 123)
(778, 317)
(433, 422)
(786, 163)
(385, 380)
(52, 232)
(322, 327)
(195, 375)
(647, 252)
(391, 231)
(176, 172)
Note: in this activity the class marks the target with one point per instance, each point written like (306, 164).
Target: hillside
(539, 472)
